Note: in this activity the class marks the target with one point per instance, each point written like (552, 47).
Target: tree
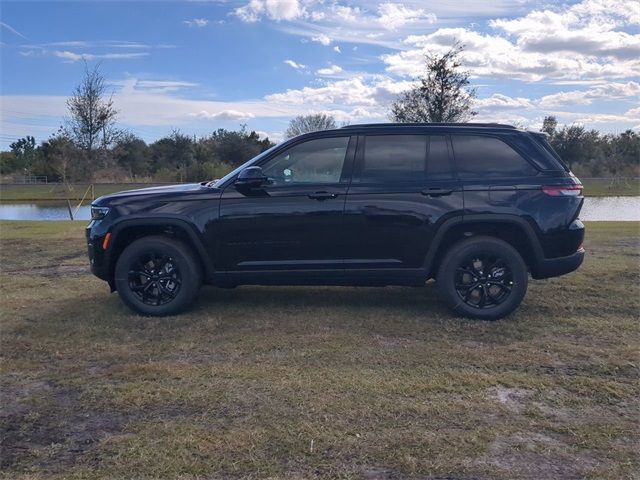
(63, 157)
(571, 144)
(25, 152)
(91, 125)
(132, 154)
(549, 125)
(442, 95)
(236, 147)
(173, 156)
(309, 123)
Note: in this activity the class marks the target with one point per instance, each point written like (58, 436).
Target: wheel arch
(511, 228)
(127, 231)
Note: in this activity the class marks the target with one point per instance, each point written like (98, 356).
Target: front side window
(314, 161)
(481, 157)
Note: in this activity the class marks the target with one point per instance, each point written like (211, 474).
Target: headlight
(98, 213)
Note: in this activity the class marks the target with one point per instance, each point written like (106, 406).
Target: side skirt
(356, 278)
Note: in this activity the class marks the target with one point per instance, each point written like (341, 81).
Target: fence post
(69, 208)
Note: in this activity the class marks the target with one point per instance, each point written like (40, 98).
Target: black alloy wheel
(483, 281)
(158, 276)
(482, 277)
(154, 278)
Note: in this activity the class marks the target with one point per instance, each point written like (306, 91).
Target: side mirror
(250, 177)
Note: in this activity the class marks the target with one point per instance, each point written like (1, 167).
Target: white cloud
(608, 91)
(74, 57)
(494, 56)
(331, 70)
(156, 86)
(321, 38)
(295, 65)
(274, 9)
(196, 22)
(357, 91)
(395, 15)
(337, 49)
(225, 115)
(498, 101)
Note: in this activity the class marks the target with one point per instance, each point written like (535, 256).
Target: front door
(403, 188)
(293, 221)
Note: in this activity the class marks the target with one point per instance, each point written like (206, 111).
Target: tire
(483, 278)
(157, 276)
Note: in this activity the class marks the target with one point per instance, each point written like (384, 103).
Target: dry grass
(316, 382)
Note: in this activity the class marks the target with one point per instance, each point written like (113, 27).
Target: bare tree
(309, 123)
(443, 94)
(91, 124)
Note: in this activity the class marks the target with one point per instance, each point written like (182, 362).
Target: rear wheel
(483, 278)
(157, 276)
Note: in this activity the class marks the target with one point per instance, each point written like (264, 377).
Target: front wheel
(157, 276)
(483, 278)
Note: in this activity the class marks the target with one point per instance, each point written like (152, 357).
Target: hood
(168, 190)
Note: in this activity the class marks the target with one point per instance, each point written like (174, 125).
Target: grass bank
(59, 191)
(54, 191)
(316, 382)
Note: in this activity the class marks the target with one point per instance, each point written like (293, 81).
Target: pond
(595, 208)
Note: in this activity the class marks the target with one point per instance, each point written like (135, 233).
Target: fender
(450, 223)
(178, 222)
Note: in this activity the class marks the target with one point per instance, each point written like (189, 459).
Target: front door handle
(437, 192)
(322, 195)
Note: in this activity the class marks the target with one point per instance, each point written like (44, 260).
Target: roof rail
(434, 124)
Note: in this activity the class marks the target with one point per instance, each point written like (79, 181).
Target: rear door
(402, 189)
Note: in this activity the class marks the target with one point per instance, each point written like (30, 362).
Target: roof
(451, 124)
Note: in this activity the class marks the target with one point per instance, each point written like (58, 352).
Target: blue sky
(201, 65)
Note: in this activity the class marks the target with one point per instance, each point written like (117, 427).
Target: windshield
(235, 171)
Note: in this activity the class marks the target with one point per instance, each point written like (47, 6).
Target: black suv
(478, 207)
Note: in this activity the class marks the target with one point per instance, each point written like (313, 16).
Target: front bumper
(554, 267)
(97, 260)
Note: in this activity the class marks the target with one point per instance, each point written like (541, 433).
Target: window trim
(502, 139)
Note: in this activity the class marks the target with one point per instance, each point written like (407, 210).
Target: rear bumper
(554, 267)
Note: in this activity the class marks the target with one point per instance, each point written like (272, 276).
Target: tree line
(90, 146)
(175, 158)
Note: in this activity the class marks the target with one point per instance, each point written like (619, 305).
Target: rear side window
(481, 157)
(438, 162)
(404, 158)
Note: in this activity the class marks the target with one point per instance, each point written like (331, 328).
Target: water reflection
(42, 211)
(595, 208)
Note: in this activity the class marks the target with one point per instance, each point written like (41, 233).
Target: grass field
(55, 191)
(274, 382)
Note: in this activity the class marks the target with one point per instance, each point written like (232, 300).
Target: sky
(200, 65)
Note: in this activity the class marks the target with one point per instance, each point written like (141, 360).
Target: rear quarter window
(480, 156)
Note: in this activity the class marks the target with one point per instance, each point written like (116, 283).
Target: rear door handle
(322, 195)
(437, 192)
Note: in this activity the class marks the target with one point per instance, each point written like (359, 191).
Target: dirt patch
(52, 271)
(47, 426)
(512, 398)
(529, 455)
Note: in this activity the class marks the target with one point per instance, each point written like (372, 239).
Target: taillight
(563, 190)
